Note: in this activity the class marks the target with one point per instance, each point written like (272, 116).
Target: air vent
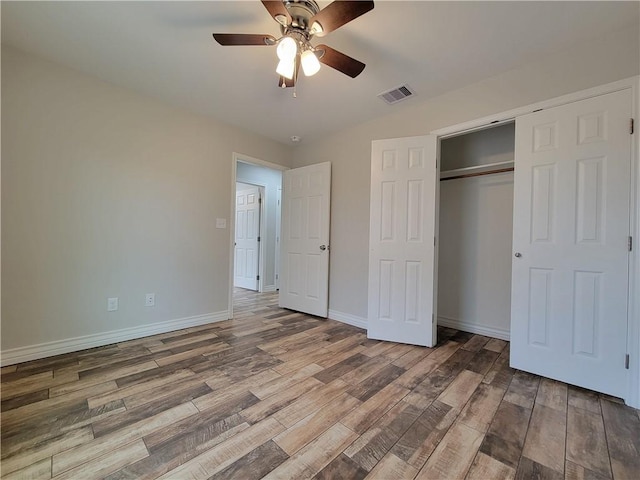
(396, 94)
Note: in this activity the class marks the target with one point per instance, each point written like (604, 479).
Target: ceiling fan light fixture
(310, 63)
(287, 49)
(286, 68)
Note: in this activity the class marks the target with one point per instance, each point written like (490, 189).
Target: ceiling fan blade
(278, 11)
(336, 14)
(244, 39)
(341, 62)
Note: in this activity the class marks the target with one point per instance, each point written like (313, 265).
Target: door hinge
(631, 126)
(433, 318)
(630, 243)
(276, 276)
(258, 238)
(257, 277)
(259, 199)
(626, 361)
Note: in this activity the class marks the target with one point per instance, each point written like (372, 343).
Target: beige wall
(106, 193)
(601, 61)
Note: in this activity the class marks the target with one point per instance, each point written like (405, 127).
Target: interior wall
(600, 61)
(272, 180)
(475, 237)
(107, 193)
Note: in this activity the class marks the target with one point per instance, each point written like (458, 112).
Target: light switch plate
(112, 304)
(221, 223)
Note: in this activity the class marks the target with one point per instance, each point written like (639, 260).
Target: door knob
(323, 247)
(518, 255)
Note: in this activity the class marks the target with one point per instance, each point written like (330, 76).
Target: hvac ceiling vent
(397, 94)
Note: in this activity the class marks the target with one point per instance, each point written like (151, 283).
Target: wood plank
(482, 406)
(476, 343)
(392, 467)
(316, 455)
(546, 437)
(573, 471)
(505, 438)
(495, 345)
(412, 357)
(485, 467)
(35, 471)
(310, 402)
(341, 467)
(113, 460)
(254, 464)
(284, 382)
(364, 416)
(459, 391)
(310, 427)
(529, 469)
(584, 399)
(454, 455)
(552, 394)
(371, 447)
(411, 378)
(38, 452)
(483, 361)
(72, 457)
(418, 443)
(376, 382)
(622, 426)
(587, 442)
(224, 454)
(272, 404)
(523, 389)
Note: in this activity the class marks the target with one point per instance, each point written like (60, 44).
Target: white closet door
(304, 276)
(571, 227)
(402, 269)
(247, 233)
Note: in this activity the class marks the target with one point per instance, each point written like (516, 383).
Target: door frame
(633, 320)
(235, 158)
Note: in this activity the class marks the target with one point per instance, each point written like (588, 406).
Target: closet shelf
(487, 169)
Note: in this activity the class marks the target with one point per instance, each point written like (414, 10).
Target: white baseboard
(474, 328)
(269, 288)
(348, 319)
(57, 347)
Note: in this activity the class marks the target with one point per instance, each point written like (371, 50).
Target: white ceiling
(165, 49)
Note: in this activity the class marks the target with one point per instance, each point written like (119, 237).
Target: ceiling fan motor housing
(301, 12)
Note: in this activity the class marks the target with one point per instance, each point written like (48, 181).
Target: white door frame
(239, 157)
(633, 337)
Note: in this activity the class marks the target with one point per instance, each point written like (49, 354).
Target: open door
(247, 241)
(304, 273)
(402, 251)
(570, 239)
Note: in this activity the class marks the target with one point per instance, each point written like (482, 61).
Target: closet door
(571, 228)
(402, 256)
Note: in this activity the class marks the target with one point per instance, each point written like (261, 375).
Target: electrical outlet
(112, 304)
(150, 300)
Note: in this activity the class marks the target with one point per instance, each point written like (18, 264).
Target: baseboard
(348, 319)
(57, 347)
(474, 328)
(269, 288)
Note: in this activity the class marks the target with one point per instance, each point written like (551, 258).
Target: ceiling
(165, 49)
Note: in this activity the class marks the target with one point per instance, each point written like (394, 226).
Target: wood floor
(277, 394)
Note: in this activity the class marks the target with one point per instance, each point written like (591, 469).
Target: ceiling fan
(300, 21)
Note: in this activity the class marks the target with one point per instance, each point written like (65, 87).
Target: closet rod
(478, 174)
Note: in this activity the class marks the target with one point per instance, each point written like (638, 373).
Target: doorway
(251, 173)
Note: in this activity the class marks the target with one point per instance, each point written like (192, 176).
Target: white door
(571, 226)
(247, 237)
(304, 272)
(402, 268)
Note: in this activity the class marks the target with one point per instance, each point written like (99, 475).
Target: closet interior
(475, 231)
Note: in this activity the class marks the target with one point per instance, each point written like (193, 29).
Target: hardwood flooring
(278, 394)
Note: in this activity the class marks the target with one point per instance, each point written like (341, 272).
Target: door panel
(304, 281)
(571, 224)
(401, 241)
(247, 233)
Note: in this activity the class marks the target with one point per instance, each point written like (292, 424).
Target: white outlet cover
(112, 304)
(149, 299)
(221, 223)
